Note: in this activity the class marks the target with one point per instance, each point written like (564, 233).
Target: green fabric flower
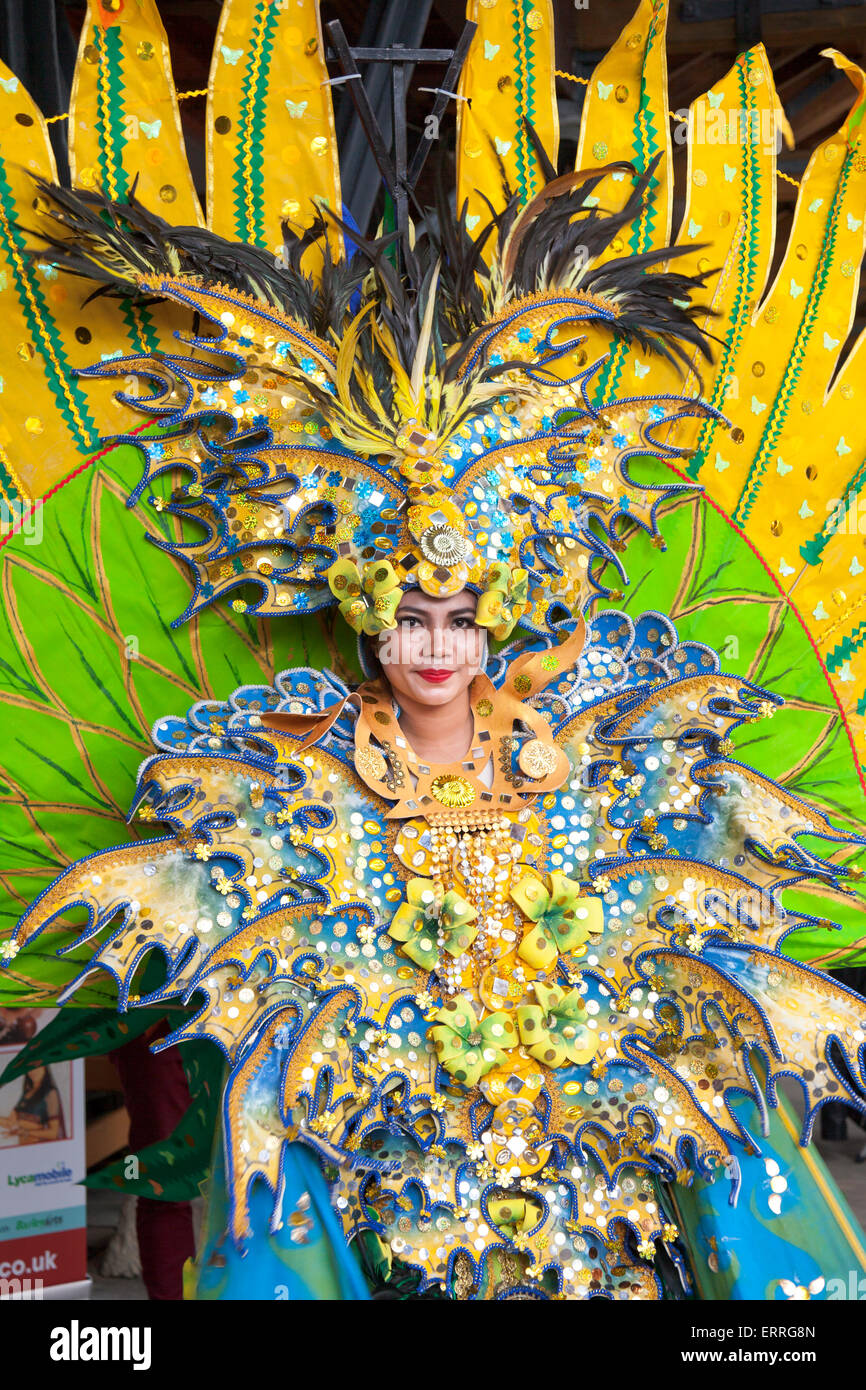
(368, 600)
(554, 1030)
(467, 1048)
(504, 601)
(418, 925)
(562, 919)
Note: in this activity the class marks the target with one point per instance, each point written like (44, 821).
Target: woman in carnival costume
(493, 944)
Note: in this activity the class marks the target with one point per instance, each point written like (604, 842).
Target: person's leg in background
(157, 1097)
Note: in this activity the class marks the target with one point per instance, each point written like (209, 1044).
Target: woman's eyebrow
(465, 612)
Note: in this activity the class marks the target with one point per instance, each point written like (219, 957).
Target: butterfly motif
(490, 50)
(591, 201)
(502, 146)
(800, 1292)
(617, 178)
(604, 89)
(854, 223)
(820, 614)
(845, 673)
(231, 55)
(842, 447)
(694, 227)
(730, 171)
(9, 84)
(296, 109)
(805, 510)
(782, 467)
(785, 570)
(815, 204)
(830, 343)
(715, 99)
(641, 369)
(795, 290)
(151, 128)
(721, 464)
(855, 567)
(758, 407)
(472, 222)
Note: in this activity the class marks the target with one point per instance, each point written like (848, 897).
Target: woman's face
(436, 650)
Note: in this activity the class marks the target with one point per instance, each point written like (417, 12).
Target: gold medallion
(369, 762)
(450, 790)
(536, 759)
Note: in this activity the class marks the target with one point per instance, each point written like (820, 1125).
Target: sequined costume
(515, 1028)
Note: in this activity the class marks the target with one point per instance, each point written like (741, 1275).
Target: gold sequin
(450, 790)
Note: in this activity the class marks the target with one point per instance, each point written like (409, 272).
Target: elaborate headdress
(374, 430)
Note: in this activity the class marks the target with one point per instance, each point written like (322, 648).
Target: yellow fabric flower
(504, 601)
(515, 1217)
(368, 600)
(561, 919)
(417, 924)
(467, 1047)
(554, 1030)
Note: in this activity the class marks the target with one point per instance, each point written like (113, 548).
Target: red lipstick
(435, 676)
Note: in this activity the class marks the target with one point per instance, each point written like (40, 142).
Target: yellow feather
(423, 347)
(346, 355)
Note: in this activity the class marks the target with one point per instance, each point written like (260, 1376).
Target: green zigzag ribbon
(779, 410)
(43, 330)
(251, 128)
(745, 276)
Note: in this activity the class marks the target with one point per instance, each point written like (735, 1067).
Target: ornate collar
(489, 778)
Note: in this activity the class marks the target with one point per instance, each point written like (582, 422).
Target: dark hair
(46, 1084)
(370, 656)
